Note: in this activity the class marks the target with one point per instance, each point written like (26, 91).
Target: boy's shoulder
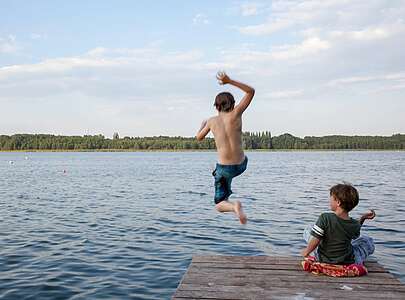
(327, 214)
(212, 120)
(328, 217)
(332, 217)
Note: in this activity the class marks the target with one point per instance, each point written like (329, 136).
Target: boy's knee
(219, 205)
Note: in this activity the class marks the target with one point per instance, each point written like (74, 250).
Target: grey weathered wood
(287, 267)
(265, 277)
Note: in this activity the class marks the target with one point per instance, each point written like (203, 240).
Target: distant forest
(251, 140)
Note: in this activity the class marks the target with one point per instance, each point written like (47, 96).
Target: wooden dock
(265, 277)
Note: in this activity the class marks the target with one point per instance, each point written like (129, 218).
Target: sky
(147, 68)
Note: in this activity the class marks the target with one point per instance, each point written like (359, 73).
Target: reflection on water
(125, 225)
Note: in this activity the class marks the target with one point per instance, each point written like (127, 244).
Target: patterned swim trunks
(223, 175)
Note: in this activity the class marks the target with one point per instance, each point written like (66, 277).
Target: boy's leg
(223, 181)
(362, 248)
(227, 206)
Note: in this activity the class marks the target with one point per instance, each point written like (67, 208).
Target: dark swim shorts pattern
(223, 175)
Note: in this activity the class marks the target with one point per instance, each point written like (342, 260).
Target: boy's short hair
(346, 194)
(224, 102)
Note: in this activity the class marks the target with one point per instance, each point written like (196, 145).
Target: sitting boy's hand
(223, 78)
(370, 214)
(304, 252)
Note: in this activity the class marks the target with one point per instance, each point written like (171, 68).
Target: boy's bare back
(227, 126)
(227, 131)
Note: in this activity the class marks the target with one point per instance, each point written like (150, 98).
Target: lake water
(125, 225)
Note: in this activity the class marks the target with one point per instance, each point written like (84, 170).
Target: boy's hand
(223, 78)
(369, 215)
(304, 252)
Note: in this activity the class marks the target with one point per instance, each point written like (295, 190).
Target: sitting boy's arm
(368, 215)
(312, 244)
(203, 131)
(250, 92)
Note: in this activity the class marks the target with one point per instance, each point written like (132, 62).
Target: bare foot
(239, 212)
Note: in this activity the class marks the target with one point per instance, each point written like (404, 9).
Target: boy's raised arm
(250, 92)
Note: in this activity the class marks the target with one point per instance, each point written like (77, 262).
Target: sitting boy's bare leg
(227, 206)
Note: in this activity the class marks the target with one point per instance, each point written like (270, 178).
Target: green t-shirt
(336, 235)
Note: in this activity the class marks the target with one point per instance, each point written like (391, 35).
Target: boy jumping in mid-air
(335, 235)
(227, 130)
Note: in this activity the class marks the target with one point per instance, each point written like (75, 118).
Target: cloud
(8, 45)
(353, 18)
(38, 36)
(102, 73)
(267, 28)
(200, 19)
(249, 9)
(375, 84)
(285, 94)
(322, 41)
(286, 14)
(133, 88)
(309, 46)
(371, 33)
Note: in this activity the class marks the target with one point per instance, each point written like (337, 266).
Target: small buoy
(64, 171)
(10, 162)
(26, 158)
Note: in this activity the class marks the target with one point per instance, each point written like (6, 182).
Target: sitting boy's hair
(346, 194)
(224, 102)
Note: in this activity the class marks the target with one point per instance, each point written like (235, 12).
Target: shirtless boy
(227, 130)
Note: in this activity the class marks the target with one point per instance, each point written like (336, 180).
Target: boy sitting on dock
(336, 235)
(227, 130)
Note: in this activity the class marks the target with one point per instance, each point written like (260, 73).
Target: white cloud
(267, 28)
(352, 80)
(132, 88)
(8, 45)
(38, 36)
(200, 19)
(370, 33)
(309, 46)
(285, 14)
(285, 94)
(124, 74)
(52, 67)
(249, 9)
(374, 83)
(356, 19)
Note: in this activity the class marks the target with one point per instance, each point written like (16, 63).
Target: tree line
(251, 140)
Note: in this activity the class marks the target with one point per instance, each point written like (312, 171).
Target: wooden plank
(283, 294)
(291, 285)
(375, 268)
(261, 260)
(251, 259)
(252, 293)
(273, 279)
(376, 278)
(264, 277)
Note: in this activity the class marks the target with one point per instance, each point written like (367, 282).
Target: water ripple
(111, 228)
